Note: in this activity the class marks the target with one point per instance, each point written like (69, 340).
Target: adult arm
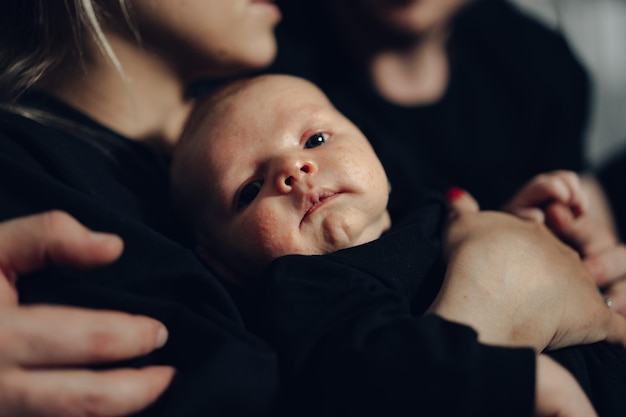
(38, 343)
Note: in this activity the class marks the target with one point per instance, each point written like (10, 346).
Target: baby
(268, 167)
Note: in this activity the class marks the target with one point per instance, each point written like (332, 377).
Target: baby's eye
(316, 140)
(249, 193)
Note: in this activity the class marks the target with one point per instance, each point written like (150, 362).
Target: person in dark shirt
(467, 93)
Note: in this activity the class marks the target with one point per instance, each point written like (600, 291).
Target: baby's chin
(340, 233)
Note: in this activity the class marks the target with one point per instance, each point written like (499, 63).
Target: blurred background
(596, 30)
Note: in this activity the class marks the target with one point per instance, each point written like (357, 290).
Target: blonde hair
(38, 35)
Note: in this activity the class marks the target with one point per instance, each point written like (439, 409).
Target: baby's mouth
(314, 200)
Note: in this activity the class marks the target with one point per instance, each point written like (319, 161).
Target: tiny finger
(578, 200)
(460, 201)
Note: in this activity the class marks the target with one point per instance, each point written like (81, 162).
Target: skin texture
(181, 42)
(209, 37)
(35, 379)
(313, 197)
(538, 302)
(558, 393)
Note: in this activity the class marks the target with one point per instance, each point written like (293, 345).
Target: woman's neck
(147, 102)
(406, 69)
(416, 75)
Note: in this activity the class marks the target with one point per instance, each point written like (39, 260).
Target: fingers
(588, 236)
(560, 186)
(607, 267)
(616, 328)
(29, 243)
(460, 202)
(31, 336)
(616, 293)
(79, 393)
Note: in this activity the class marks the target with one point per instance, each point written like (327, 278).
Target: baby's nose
(292, 173)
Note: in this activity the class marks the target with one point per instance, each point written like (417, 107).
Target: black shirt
(115, 185)
(515, 106)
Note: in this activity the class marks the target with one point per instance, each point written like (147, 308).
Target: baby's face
(288, 174)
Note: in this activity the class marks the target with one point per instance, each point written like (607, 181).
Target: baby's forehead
(264, 105)
(280, 90)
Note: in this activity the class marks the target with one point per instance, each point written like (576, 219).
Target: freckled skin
(259, 133)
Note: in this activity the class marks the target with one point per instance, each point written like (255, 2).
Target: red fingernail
(454, 193)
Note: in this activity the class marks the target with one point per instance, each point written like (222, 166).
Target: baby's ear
(215, 262)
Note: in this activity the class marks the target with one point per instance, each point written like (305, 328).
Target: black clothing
(516, 104)
(349, 344)
(112, 184)
(352, 338)
(343, 322)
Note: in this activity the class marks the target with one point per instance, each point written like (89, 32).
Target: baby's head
(268, 167)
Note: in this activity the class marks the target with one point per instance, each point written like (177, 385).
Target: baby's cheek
(275, 238)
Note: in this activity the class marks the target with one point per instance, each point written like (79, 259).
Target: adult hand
(558, 394)
(517, 284)
(35, 380)
(557, 186)
(603, 255)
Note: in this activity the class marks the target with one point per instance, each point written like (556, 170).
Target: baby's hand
(557, 187)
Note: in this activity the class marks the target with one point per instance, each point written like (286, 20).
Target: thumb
(461, 202)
